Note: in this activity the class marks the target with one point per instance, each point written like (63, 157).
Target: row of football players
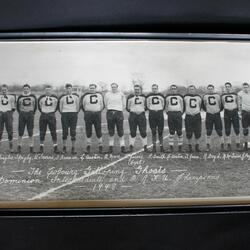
(92, 103)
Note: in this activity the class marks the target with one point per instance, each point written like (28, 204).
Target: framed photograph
(124, 120)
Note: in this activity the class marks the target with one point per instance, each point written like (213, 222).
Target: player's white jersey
(136, 103)
(47, 104)
(193, 104)
(93, 102)
(155, 102)
(115, 101)
(26, 103)
(174, 102)
(69, 103)
(244, 100)
(7, 103)
(229, 101)
(212, 103)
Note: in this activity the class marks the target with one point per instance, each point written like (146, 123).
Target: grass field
(118, 176)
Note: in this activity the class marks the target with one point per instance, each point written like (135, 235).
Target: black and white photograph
(124, 120)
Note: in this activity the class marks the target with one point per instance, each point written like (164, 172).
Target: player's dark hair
(156, 85)
(68, 85)
(210, 86)
(92, 84)
(228, 83)
(173, 85)
(114, 83)
(191, 86)
(245, 84)
(26, 85)
(4, 86)
(137, 86)
(47, 86)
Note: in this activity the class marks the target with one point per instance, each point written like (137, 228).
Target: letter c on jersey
(211, 100)
(192, 103)
(155, 100)
(173, 101)
(229, 98)
(93, 99)
(5, 101)
(48, 102)
(137, 100)
(69, 101)
(26, 101)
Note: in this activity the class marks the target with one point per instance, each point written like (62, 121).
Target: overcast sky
(162, 62)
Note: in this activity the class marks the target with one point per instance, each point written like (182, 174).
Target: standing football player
(7, 107)
(244, 110)
(48, 105)
(231, 117)
(175, 109)
(155, 105)
(92, 104)
(213, 107)
(69, 108)
(26, 107)
(136, 106)
(115, 103)
(193, 105)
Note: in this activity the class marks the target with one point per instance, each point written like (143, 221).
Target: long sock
(197, 141)
(20, 140)
(100, 141)
(237, 138)
(64, 143)
(171, 140)
(189, 141)
(161, 140)
(54, 143)
(111, 140)
(180, 140)
(88, 141)
(208, 139)
(228, 139)
(245, 138)
(31, 141)
(144, 141)
(73, 143)
(131, 141)
(122, 142)
(154, 139)
(10, 144)
(221, 139)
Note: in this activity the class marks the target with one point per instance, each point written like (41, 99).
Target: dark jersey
(136, 103)
(229, 101)
(93, 102)
(193, 104)
(155, 102)
(47, 104)
(174, 102)
(27, 103)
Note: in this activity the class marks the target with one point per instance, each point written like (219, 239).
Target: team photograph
(105, 120)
